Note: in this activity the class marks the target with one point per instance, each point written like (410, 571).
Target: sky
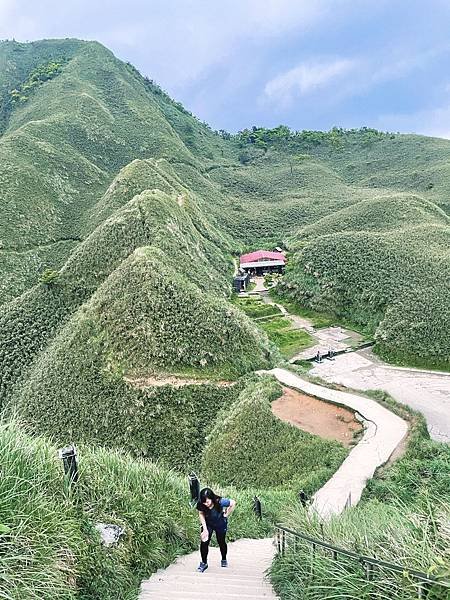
(308, 64)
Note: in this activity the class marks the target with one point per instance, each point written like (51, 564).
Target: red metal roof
(261, 255)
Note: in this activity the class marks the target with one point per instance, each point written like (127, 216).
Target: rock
(110, 534)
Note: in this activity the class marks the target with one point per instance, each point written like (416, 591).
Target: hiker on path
(213, 512)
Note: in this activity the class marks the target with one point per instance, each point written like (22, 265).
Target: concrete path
(259, 285)
(244, 579)
(383, 432)
(424, 391)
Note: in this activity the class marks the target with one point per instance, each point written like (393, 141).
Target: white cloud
(434, 122)
(183, 39)
(306, 78)
(345, 77)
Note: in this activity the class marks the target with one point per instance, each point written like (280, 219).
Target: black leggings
(204, 546)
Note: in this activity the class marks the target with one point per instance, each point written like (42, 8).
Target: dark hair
(208, 493)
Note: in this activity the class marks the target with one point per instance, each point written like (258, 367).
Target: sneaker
(202, 567)
(224, 563)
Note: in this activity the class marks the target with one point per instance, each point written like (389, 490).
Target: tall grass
(394, 533)
(248, 446)
(49, 548)
(39, 548)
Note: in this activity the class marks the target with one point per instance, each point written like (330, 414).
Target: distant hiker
(213, 512)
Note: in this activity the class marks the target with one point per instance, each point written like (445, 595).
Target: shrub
(49, 276)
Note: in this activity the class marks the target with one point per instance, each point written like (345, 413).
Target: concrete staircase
(244, 579)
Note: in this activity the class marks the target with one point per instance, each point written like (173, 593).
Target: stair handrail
(281, 544)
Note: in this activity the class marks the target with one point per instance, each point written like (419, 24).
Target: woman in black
(213, 512)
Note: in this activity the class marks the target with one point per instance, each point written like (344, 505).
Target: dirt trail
(317, 416)
(154, 381)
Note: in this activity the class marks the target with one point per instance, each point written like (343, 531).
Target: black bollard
(69, 458)
(257, 507)
(303, 498)
(194, 488)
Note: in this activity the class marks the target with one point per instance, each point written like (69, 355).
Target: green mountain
(121, 213)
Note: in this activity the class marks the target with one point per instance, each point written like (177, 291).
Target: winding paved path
(249, 559)
(383, 433)
(424, 391)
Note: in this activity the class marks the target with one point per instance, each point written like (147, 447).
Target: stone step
(195, 596)
(210, 574)
(211, 588)
(212, 579)
(243, 594)
(244, 578)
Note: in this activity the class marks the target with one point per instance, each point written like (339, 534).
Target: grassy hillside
(48, 543)
(385, 266)
(147, 321)
(53, 549)
(83, 133)
(154, 218)
(67, 138)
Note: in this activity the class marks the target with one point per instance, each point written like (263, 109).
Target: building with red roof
(262, 261)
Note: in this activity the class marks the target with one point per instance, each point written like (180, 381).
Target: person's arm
(227, 512)
(204, 534)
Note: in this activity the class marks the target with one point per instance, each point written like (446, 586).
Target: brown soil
(317, 416)
(143, 382)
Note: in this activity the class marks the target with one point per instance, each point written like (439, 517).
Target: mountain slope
(99, 168)
(65, 143)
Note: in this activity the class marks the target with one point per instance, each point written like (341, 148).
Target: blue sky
(309, 64)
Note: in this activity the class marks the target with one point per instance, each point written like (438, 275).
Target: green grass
(318, 320)
(279, 329)
(384, 278)
(48, 546)
(256, 308)
(289, 341)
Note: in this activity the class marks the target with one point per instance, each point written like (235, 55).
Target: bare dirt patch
(154, 381)
(317, 416)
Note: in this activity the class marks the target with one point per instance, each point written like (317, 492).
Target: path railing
(287, 538)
